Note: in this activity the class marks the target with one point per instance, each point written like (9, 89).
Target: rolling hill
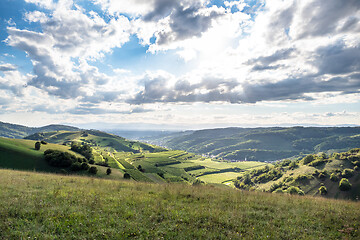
(146, 162)
(9, 130)
(20, 154)
(262, 144)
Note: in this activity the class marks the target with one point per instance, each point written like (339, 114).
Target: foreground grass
(45, 206)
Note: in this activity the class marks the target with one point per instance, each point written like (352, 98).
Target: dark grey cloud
(322, 17)
(264, 62)
(186, 19)
(264, 67)
(214, 89)
(337, 59)
(277, 56)
(295, 88)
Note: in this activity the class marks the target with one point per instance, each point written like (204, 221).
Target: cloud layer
(235, 52)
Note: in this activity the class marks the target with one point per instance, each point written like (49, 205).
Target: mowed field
(50, 206)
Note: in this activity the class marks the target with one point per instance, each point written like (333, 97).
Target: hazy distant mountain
(19, 131)
(262, 144)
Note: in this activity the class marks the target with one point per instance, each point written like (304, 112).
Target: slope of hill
(145, 162)
(263, 144)
(20, 154)
(44, 206)
(313, 175)
(18, 131)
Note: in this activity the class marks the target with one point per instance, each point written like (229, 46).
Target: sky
(189, 64)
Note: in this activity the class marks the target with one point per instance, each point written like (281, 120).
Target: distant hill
(9, 130)
(262, 144)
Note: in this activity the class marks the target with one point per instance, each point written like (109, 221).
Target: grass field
(45, 206)
(219, 177)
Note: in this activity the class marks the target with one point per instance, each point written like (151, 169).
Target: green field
(45, 206)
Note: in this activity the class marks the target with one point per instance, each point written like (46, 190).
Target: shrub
(317, 162)
(91, 161)
(37, 145)
(275, 186)
(57, 158)
(43, 142)
(127, 176)
(347, 173)
(323, 190)
(321, 175)
(293, 165)
(295, 190)
(345, 185)
(85, 166)
(308, 159)
(108, 171)
(334, 177)
(75, 167)
(93, 170)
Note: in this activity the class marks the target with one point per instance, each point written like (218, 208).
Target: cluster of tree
(63, 160)
(84, 150)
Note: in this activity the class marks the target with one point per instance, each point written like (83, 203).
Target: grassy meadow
(45, 206)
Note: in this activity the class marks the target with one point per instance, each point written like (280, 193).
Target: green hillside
(9, 130)
(145, 162)
(20, 154)
(45, 206)
(263, 144)
(308, 176)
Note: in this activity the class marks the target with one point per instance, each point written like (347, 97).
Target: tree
(345, 185)
(93, 170)
(108, 171)
(323, 190)
(37, 145)
(127, 176)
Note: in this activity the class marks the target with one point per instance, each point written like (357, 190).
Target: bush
(293, 165)
(108, 171)
(323, 190)
(57, 158)
(37, 145)
(308, 159)
(321, 175)
(334, 177)
(75, 167)
(295, 190)
(91, 161)
(345, 185)
(347, 173)
(85, 166)
(127, 176)
(93, 170)
(43, 142)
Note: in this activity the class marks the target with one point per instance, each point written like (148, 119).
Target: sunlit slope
(308, 175)
(20, 154)
(95, 138)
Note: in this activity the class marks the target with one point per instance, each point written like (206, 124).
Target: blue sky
(180, 64)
